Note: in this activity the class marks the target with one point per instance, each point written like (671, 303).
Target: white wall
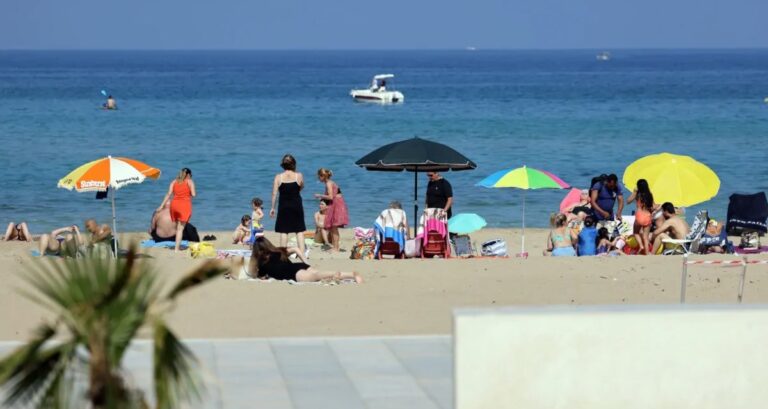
(618, 358)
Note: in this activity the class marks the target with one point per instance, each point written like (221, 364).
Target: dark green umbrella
(415, 155)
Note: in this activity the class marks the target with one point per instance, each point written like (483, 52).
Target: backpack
(598, 179)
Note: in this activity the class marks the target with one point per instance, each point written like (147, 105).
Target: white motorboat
(603, 56)
(378, 92)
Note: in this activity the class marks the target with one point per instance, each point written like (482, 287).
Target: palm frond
(39, 377)
(208, 270)
(176, 375)
(16, 361)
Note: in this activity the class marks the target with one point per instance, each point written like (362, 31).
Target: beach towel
(391, 225)
(163, 244)
(363, 234)
(433, 220)
(228, 253)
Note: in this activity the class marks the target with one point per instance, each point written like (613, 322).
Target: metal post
(683, 279)
(522, 244)
(742, 278)
(114, 222)
(415, 222)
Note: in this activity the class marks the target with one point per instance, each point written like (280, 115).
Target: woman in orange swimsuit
(645, 206)
(183, 190)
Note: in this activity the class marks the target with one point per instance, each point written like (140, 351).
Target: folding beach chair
(690, 244)
(433, 231)
(462, 246)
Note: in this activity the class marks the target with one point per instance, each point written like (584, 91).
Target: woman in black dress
(268, 261)
(290, 209)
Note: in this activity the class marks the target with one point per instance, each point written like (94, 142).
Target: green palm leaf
(175, 375)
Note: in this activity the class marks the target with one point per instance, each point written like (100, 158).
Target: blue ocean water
(231, 115)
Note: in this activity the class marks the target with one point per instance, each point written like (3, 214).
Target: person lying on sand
(18, 232)
(672, 227)
(61, 242)
(268, 261)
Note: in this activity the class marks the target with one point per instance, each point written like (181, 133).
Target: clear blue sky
(395, 24)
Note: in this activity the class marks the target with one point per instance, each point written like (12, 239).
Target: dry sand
(404, 296)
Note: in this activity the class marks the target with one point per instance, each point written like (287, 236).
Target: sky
(393, 24)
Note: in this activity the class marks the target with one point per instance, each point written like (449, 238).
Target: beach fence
(744, 262)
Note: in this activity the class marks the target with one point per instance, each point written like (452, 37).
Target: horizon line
(468, 48)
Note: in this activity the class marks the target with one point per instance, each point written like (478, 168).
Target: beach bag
(750, 240)
(494, 248)
(412, 248)
(202, 250)
(363, 250)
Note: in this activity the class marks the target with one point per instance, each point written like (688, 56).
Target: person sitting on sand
(163, 228)
(321, 233)
(63, 242)
(243, 230)
(18, 232)
(268, 261)
(673, 227)
(587, 239)
(606, 246)
(100, 234)
(560, 239)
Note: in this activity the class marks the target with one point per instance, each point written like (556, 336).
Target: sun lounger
(690, 244)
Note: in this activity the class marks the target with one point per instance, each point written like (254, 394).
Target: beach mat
(163, 244)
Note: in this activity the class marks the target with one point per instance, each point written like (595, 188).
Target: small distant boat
(603, 56)
(378, 91)
(470, 48)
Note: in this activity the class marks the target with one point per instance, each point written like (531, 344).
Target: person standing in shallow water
(183, 190)
(337, 215)
(286, 191)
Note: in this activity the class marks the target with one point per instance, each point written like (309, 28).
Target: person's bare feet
(358, 278)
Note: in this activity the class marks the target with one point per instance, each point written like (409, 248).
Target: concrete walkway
(285, 373)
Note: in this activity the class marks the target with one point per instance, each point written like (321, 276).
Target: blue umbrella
(465, 223)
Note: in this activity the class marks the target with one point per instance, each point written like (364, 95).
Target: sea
(231, 115)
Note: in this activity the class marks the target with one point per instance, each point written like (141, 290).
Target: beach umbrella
(524, 178)
(678, 179)
(108, 174)
(571, 198)
(415, 155)
(466, 223)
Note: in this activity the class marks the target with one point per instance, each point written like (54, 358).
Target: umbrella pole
(114, 223)
(415, 221)
(522, 246)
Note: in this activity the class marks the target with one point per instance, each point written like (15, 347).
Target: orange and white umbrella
(106, 174)
(109, 172)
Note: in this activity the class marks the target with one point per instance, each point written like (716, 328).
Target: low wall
(635, 357)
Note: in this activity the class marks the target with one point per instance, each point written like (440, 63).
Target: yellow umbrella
(678, 179)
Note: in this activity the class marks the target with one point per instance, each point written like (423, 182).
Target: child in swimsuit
(242, 231)
(257, 214)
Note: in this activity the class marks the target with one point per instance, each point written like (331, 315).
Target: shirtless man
(110, 104)
(162, 227)
(673, 227)
(99, 234)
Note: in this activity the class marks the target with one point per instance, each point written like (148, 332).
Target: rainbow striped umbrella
(523, 178)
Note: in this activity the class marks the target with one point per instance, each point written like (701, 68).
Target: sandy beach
(403, 296)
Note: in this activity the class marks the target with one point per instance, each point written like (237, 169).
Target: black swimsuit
(280, 269)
